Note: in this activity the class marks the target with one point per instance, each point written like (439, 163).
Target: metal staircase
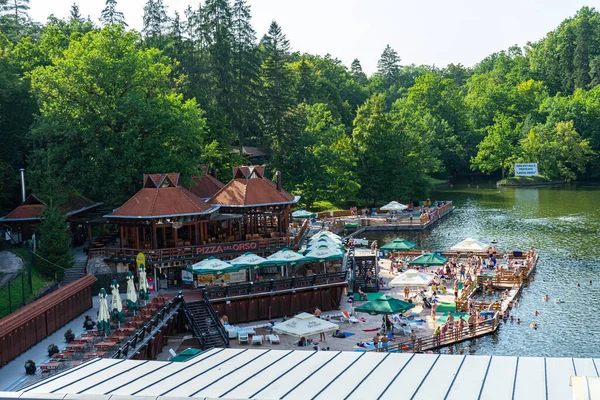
(206, 325)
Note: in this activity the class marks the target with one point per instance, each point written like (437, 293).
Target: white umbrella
(144, 288)
(470, 245)
(103, 315)
(132, 298)
(115, 304)
(393, 206)
(304, 324)
(413, 278)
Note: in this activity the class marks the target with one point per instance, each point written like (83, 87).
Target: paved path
(13, 373)
(9, 264)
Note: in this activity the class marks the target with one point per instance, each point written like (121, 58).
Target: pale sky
(422, 32)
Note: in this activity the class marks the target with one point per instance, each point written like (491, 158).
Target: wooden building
(22, 222)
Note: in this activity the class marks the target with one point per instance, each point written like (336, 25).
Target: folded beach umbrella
(144, 287)
(103, 324)
(116, 306)
(132, 298)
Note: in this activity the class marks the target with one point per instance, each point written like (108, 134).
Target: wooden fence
(36, 321)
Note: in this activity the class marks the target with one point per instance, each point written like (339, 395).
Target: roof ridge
(192, 198)
(153, 204)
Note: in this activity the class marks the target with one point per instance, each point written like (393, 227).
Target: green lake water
(563, 224)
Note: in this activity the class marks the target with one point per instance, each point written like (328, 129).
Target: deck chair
(273, 338)
(350, 318)
(243, 337)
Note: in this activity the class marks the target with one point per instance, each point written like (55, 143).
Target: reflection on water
(563, 224)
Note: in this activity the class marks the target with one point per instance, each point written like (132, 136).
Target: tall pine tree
(581, 57)
(14, 17)
(110, 15)
(155, 23)
(388, 66)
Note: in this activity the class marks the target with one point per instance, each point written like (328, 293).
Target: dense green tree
(500, 147)
(357, 72)
(96, 123)
(276, 76)
(388, 66)
(54, 248)
(110, 15)
(14, 18)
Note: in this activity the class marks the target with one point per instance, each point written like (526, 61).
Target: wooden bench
(48, 367)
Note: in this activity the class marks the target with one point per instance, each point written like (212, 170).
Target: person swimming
(558, 301)
(537, 313)
(518, 320)
(534, 325)
(545, 298)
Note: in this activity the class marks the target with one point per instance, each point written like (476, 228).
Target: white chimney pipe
(22, 171)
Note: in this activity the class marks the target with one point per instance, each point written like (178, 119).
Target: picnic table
(94, 354)
(76, 347)
(49, 366)
(63, 355)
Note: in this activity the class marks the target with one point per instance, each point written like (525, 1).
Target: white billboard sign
(530, 169)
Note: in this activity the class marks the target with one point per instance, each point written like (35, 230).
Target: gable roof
(250, 188)
(205, 186)
(162, 197)
(33, 208)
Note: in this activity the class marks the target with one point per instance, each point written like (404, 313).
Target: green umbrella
(398, 244)
(286, 257)
(385, 305)
(303, 214)
(328, 234)
(324, 254)
(185, 355)
(248, 260)
(210, 266)
(429, 259)
(324, 241)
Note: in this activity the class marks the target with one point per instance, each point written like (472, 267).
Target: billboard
(530, 169)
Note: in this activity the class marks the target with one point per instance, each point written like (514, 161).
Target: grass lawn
(16, 292)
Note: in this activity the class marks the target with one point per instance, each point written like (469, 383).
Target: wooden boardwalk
(433, 342)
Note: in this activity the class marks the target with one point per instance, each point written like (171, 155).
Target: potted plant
(52, 349)
(69, 336)
(30, 367)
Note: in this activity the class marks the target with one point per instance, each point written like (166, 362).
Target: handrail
(147, 329)
(195, 328)
(216, 320)
(456, 335)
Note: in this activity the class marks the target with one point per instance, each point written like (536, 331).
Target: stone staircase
(206, 325)
(74, 273)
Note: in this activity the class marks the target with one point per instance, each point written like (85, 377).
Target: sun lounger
(243, 337)
(257, 339)
(349, 318)
(273, 339)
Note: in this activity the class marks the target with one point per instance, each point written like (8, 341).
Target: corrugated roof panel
(163, 375)
(70, 376)
(352, 376)
(440, 378)
(128, 367)
(183, 376)
(500, 379)
(278, 389)
(531, 379)
(558, 373)
(272, 374)
(318, 381)
(119, 379)
(585, 367)
(469, 380)
(406, 384)
(385, 372)
(222, 383)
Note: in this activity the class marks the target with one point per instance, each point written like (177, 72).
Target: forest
(87, 106)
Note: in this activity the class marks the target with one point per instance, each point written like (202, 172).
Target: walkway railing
(213, 315)
(457, 335)
(134, 342)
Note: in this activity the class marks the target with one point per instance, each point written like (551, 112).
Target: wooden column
(164, 235)
(89, 232)
(136, 229)
(154, 238)
(197, 232)
(174, 235)
(121, 236)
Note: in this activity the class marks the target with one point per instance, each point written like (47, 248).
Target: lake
(563, 224)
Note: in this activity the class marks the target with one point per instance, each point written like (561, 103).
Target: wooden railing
(457, 335)
(503, 281)
(134, 342)
(273, 285)
(196, 252)
(300, 235)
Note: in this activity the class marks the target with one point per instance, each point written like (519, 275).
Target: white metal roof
(256, 373)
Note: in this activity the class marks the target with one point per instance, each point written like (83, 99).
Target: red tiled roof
(250, 188)
(205, 186)
(33, 208)
(162, 202)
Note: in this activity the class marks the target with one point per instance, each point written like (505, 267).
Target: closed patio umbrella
(385, 305)
(429, 259)
(398, 245)
(115, 304)
(103, 324)
(304, 324)
(132, 298)
(144, 288)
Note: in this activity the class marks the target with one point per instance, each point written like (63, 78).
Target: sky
(432, 32)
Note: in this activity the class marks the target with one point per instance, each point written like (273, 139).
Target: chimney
(278, 177)
(22, 171)
(215, 171)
